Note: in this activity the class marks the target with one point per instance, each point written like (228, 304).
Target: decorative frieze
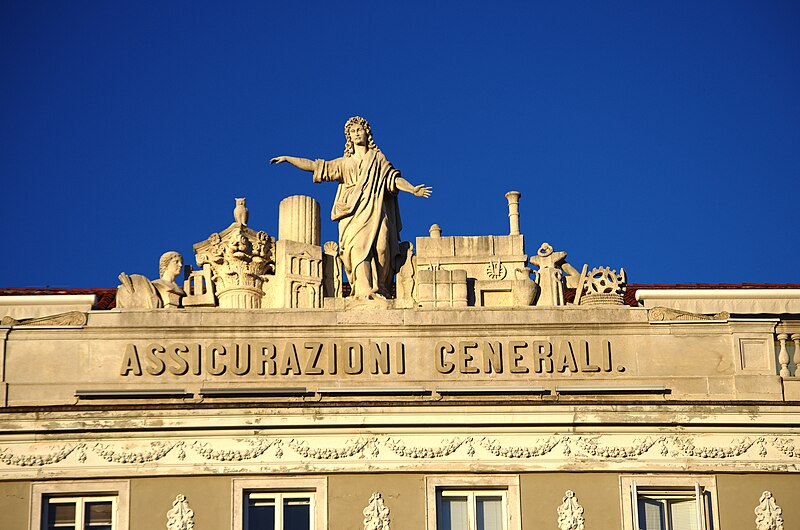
(499, 451)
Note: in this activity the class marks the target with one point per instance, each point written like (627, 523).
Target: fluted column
(298, 220)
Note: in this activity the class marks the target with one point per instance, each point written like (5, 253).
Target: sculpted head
(170, 265)
(348, 144)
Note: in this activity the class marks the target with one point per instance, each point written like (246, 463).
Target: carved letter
(130, 363)
(542, 356)
(464, 357)
(156, 364)
(607, 356)
(314, 350)
(332, 350)
(353, 358)
(214, 350)
(516, 356)
(289, 361)
(241, 359)
(566, 358)
(265, 358)
(442, 366)
(400, 357)
(181, 366)
(585, 366)
(379, 357)
(493, 357)
(198, 359)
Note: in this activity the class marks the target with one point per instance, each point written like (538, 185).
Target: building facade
(257, 396)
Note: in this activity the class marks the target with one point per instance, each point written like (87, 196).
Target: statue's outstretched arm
(302, 163)
(420, 191)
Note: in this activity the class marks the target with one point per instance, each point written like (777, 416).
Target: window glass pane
(97, 515)
(452, 514)
(261, 514)
(61, 515)
(296, 514)
(651, 514)
(684, 514)
(489, 512)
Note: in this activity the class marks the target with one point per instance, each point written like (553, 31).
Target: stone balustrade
(788, 345)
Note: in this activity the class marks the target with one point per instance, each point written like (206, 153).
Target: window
(652, 502)
(470, 510)
(79, 513)
(79, 505)
(279, 511)
(479, 502)
(280, 504)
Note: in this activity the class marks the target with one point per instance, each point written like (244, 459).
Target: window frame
(119, 490)
(447, 485)
(316, 487)
(693, 485)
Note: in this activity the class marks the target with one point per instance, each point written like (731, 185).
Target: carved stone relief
(331, 270)
(406, 272)
(603, 286)
(665, 313)
(614, 451)
(768, 513)
(552, 273)
(376, 514)
(70, 318)
(239, 259)
(180, 517)
(136, 291)
(570, 513)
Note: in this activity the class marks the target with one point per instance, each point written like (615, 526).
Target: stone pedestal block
(442, 288)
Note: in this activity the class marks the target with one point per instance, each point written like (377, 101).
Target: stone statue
(550, 276)
(169, 266)
(240, 213)
(365, 207)
(136, 291)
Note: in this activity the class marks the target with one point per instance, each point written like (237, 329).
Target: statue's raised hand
(423, 191)
(279, 160)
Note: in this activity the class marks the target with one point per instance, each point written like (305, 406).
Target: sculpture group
(241, 268)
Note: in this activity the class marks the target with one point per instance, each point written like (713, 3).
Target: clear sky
(662, 137)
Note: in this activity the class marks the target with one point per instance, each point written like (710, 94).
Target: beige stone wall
(403, 494)
(739, 495)
(542, 493)
(198, 349)
(15, 504)
(208, 497)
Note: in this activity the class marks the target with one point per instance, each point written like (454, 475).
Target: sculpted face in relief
(366, 208)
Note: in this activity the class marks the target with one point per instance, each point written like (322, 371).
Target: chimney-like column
(513, 212)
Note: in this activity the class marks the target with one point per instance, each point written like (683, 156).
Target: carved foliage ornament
(180, 517)
(768, 513)
(376, 514)
(570, 513)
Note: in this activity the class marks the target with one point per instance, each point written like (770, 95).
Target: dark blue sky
(660, 137)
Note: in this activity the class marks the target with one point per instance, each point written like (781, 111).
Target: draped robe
(367, 211)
